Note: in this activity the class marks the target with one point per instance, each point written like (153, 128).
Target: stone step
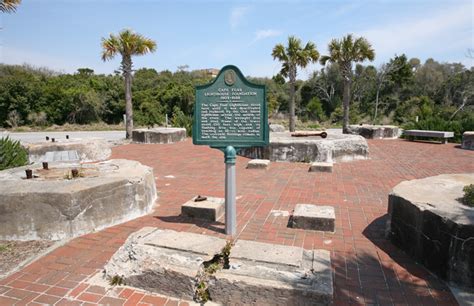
(211, 209)
(321, 167)
(258, 164)
(313, 217)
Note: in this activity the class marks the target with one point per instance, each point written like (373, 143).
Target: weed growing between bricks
(218, 262)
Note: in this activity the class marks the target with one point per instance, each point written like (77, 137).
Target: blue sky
(65, 34)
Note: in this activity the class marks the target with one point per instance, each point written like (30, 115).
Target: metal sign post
(230, 191)
(230, 113)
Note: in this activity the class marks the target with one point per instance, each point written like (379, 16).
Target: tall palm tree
(344, 52)
(9, 6)
(127, 43)
(293, 56)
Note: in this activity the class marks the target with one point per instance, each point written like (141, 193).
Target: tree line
(439, 95)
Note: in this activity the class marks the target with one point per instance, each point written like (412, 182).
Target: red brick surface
(368, 269)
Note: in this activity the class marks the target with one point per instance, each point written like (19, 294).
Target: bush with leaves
(468, 198)
(179, 119)
(12, 154)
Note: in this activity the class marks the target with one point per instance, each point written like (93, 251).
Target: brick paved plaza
(368, 270)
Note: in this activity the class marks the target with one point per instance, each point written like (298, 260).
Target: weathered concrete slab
(277, 128)
(163, 261)
(321, 167)
(375, 131)
(159, 135)
(336, 147)
(211, 209)
(88, 149)
(258, 164)
(468, 141)
(260, 276)
(428, 221)
(313, 217)
(245, 250)
(51, 206)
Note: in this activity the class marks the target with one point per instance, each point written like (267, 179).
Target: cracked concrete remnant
(428, 221)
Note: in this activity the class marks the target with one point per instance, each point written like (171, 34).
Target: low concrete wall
(60, 208)
(428, 221)
(159, 135)
(88, 149)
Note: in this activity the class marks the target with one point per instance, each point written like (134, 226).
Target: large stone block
(51, 206)
(313, 217)
(211, 209)
(163, 261)
(428, 221)
(468, 140)
(336, 147)
(374, 131)
(268, 274)
(88, 149)
(159, 135)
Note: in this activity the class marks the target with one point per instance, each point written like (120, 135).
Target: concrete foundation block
(313, 217)
(321, 167)
(258, 164)
(429, 222)
(211, 209)
(53, 206)
(468, 140)
(159, 135)
(374, 131)
(268, 274)
(334, 148)
(163, 261)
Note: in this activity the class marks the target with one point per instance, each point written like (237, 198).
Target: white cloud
(420, 34)
(262, 34)
(237, 15)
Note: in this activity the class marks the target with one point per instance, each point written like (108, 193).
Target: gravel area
(13, 253)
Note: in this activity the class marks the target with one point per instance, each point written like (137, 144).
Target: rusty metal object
(200, 199)
(29, 173)
(45, 166)
(323, 134)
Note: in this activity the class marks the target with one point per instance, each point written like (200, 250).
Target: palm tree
(344, 52)
(9, 6)
(292, 57)
(127, 43)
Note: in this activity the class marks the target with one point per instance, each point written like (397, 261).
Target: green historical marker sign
(230, 111)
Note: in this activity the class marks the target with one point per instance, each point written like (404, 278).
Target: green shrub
(468, 198)
(12, 154)
(179, 119)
